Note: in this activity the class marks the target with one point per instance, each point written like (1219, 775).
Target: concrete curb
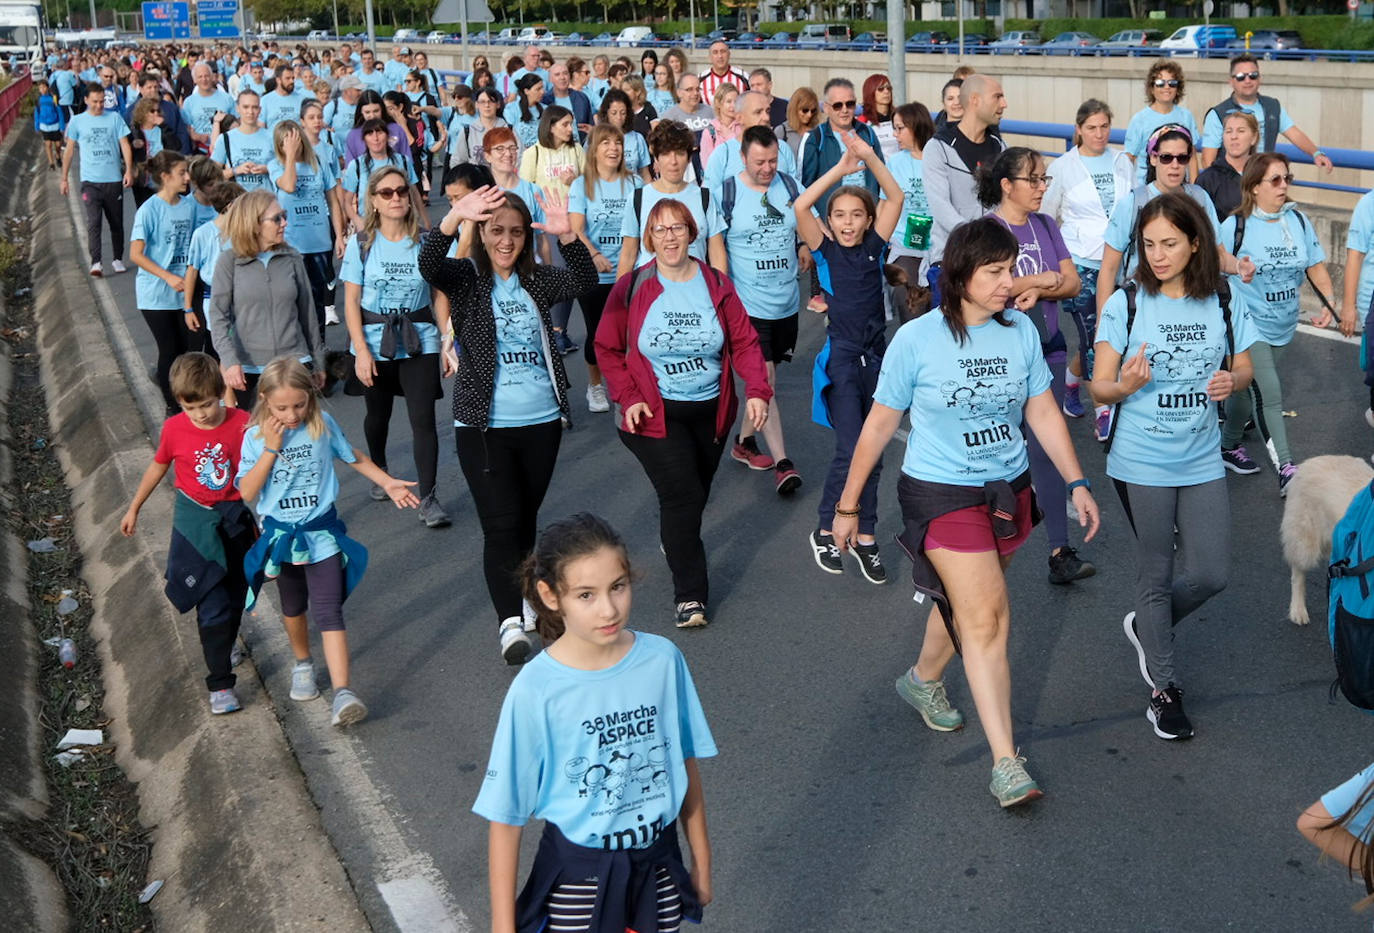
(237, 839)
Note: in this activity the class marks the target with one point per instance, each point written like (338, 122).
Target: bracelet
(1083, 481)
(271, 450)
(846, 513)
(1318, 154)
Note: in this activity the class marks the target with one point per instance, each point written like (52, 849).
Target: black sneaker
(826, 553)
(690, 615)
(1167, 716)
(870, 564)
(1067, 566)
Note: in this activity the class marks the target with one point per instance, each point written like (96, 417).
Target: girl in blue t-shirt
(208, 241)
(159, 245)
(523, 113)
(307, 189)
(617, 111)
(1339, 824)
(1163, 369)
(1284, 246)
(849, 266)
(377, 153)
(286, 470)
(970, 376)
(611, 794)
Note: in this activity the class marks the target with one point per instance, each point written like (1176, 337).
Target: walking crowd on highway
(987, 295)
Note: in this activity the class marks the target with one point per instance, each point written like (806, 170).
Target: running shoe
(1238, 461)
(515, 644)
(786, 477)
(597, 401)
(96, 271)
(747, 452)
(1133, 636)
(564, 343)
(929, 699)
(237, 654)
(432, 513)
(347, 708)
(1067, 566)
(1011, 784)
(1166, 714)
(690, 614)
(1369, 417)
(870, 564)
(826, 553)
(1102, 424)
(1073, 405)
(117, 266)
(377, 493)
(224, 701)
(303, 681)
(1286, 474)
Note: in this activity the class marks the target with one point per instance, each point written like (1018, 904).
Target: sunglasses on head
(1169, 158)
(1245, 76)
(1167, 82)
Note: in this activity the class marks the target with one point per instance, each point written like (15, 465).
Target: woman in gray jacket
(261, 306)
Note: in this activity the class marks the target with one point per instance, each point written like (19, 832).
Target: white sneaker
(118, 266)
(597, 400)
(1369, 417)
(515, 644)
(96, 271)
(528, 618)
(330, 315)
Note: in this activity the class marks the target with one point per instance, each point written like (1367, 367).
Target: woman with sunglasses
(803, 116)
(394, 326)
(1043, 274)
(1221, 179)
(878, 111)
(466, 134)
(670, 343)
(1163, 93)
(1283, 242)
(377, 152)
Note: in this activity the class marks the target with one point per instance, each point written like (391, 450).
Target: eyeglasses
(387, 194)
(1245, 76)
(1276, 180)
(279, 218)
(660, 230)
(842, 105)
(510, 149)
(1169, 158)
(1167, 82)
(1035, 181)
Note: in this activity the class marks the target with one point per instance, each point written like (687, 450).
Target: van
(633, 35)
(507, 36)
(1195, 38)
(817, 34)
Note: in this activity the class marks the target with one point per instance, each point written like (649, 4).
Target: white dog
(1318, 498)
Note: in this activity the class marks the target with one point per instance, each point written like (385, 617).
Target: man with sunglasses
(823, 147)
(1273, 119)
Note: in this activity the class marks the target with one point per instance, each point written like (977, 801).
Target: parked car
(1265, 42)
(1131, 41)
(867, 42)
(436, 37)
(1194, 39)
(928, 41)
(820, 34)
(729, 35)
(576, 38)
(781, 37)
(746, 39)
(317, 35)
(633, 35)
(483, 37)
(1016, 42)
(973, 41)
(507, 36)
(534, 34)
(1071, 43)
(405, 35)
(603, 38)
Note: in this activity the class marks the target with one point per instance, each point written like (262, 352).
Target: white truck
(21, 33)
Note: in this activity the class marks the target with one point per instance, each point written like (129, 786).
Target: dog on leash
(1318, 497)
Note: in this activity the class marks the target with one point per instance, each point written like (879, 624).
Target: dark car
(576, 38)
(1071, 43)
(1265, 42)
(867, 42)
(782, 38)
(602, 38)
(748, 38)
(972, 40)
(921, 41)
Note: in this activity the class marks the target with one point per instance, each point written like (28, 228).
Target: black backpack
(729, 192)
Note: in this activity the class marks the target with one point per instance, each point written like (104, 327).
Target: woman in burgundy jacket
(670, 342)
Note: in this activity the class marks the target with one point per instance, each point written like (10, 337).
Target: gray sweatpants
(1176, 573)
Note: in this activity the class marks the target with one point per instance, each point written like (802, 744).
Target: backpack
(729, 192)
(1302, 222)
(1223, 297)
(1140, 197)
(1350, 600)
(639, 206)
(641, 274)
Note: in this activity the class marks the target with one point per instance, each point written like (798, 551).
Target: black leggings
(319, 268)
(173, 338)
(508, 471)
(593, 303)
(415, 377)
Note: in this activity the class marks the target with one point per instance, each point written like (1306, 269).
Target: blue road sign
(218, 18)
(166, 21)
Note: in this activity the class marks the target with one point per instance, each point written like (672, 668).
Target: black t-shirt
(777, 111)
(975, 154)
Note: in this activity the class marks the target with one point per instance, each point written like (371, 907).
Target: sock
(1070, 380)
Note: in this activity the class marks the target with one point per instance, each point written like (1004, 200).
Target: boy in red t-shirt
(212, 529)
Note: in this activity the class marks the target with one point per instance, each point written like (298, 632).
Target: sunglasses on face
(842, 105)
(1166, 82)
(275, 218)
(387, 194)
(1245, 76)
(1276, 180)
(1169, 158)
(883, 87)
(806, 109)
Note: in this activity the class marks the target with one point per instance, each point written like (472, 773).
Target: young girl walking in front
(286, 469)
(611, 793)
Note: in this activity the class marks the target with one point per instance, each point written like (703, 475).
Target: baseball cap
(405, 50)
(349, 81)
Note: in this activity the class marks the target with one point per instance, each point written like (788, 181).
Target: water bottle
(66, 653)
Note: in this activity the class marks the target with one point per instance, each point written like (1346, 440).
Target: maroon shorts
(969, 531)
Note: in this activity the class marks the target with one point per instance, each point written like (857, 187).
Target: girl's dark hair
(526, 82)
(1255, 170)
(482, 77)
(161, 165)
(1013, 162)
(854, 191)
(669, 136)
(488, 90)
(650, 54)
(916, 118)
(524, 263)
(952, 82)
(470, 175)
(368, 96)
(970, 246)
(551, 115)
(1203, 271)
(561, 543)
(373, 126)
(613, 96)
(1177, 132)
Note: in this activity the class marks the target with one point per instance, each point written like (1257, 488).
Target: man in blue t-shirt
(1274, 120)
(204, 106)
(107, 168)
(284, 101)
(397, 67)
(372, 77)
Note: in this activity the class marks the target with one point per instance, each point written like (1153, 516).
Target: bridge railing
(11, 99)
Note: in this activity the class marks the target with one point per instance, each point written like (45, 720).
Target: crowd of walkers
(690, 219)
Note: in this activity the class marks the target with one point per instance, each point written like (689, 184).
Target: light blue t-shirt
(1360, 238)
(1340, 799)
(207, 243)
(338, 113)
(65, 82)
(967, 400)
(1211, 126)
(165, 230)
(249, 83)
(915, 223)
(682, 339)
(395, 73)
(373, 82)
(522, 392)
(709, 222)
(1144, 123)
(102, 158)
(604, 215)
(277, 107)
(1121, 224)
(391, 284)
(726, 160)
(596, 91)
(636, 151)
(527, 191)
(303, 485)
(307, 207)
(236, 147)
(199, 110)
(1282, 252)
(526, 131)
(762, 246)
(661, 100)
(599, 754)
(357, 172)
(1167, 432)
(1102, 170)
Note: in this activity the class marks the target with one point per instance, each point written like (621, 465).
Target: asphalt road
(832, 808)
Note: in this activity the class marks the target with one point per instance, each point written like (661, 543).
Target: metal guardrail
(11, 99)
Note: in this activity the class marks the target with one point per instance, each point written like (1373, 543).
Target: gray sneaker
(930, 701)
(515, 644)
(1011, 784)
(378, 494)
(303, 681)
(347, 708)
(432, 513)
(224, 701)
